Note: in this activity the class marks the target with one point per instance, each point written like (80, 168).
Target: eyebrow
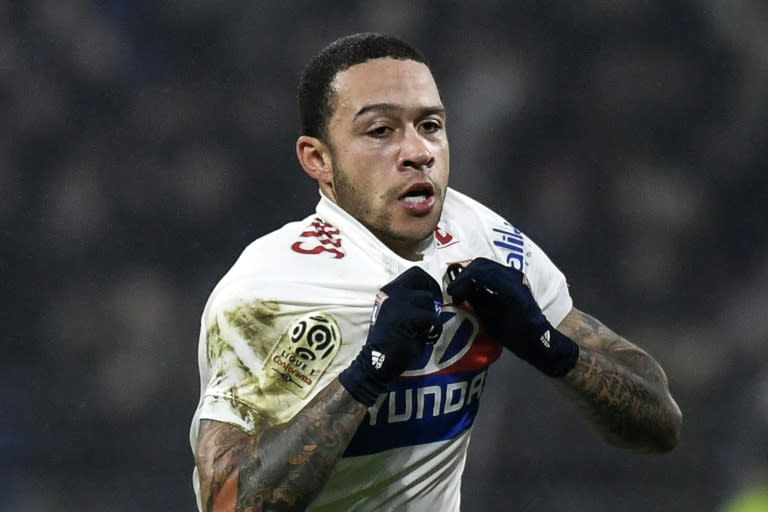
(392, 108)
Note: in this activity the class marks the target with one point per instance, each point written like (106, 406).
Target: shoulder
(303, 262)
(289, 253)
(487, 232)
(470, 217)
(460, 207)
(481, 230)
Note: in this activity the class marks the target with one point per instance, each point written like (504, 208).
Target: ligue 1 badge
(303, 353)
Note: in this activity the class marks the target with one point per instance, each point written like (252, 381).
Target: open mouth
(418, 193)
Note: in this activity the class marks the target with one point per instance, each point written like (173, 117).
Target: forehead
(400, 82)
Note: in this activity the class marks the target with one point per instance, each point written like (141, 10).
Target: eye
(431, 126)
(379, 132)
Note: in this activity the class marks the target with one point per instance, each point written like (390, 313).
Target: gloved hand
(405, 318)
(508, 311)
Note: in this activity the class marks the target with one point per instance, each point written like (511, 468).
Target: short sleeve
(264, 356)
(548, 284)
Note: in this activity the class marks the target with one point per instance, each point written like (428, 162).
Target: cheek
(444, 168)
(370, 172)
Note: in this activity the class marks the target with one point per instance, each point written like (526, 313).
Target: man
(343, 357)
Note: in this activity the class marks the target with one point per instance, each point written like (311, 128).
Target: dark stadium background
(144, 144)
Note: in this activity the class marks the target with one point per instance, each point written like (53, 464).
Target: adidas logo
(545, 338)
(377, 359)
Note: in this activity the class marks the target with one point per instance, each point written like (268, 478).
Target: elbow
(660, 436)
(665, 435)
(669, 436)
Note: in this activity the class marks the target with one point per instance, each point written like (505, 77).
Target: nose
(415, 153)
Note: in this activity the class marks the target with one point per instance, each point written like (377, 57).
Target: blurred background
(143, 144)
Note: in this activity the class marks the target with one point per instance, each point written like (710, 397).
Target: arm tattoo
(282, 468)
(619, 388)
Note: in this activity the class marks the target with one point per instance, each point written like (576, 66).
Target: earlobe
(315, 159)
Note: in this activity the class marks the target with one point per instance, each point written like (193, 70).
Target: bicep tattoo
(593, 335)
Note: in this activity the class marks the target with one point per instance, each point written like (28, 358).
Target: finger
(434, 332)
(461, 288)
(423, 324)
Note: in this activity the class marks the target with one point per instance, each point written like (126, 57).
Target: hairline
(333, 92)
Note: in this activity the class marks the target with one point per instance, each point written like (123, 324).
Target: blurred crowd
(144, 144)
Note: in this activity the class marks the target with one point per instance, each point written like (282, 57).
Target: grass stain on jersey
(259, 402)
(247, 409)
(214, 343)
(255, 321)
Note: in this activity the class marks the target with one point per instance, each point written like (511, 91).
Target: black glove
(508, 311)
(405, 318)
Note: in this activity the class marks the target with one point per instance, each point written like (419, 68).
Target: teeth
(415, 199)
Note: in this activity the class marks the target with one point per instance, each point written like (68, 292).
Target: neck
(409, 250)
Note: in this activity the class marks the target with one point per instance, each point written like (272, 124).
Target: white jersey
(294, 311)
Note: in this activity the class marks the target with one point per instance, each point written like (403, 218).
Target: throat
(407, 249)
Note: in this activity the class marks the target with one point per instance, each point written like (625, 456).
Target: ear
(315, 158)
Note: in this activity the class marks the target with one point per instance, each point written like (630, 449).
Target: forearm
(620, 389)
(282, 468)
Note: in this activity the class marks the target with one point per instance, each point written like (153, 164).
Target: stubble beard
(377, 222)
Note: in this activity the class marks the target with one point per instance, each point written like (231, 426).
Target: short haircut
(316, 96)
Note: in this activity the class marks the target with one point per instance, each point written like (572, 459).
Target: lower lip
(419, 207)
